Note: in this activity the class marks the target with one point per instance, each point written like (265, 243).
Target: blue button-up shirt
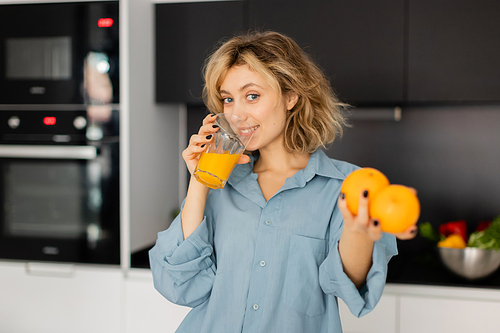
(267, 266)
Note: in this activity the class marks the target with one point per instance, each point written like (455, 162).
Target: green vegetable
(489, 238)
(427, 231)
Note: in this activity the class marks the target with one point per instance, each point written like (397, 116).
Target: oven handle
(48, 152)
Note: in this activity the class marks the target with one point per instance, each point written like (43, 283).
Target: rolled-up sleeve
(334, 281)
(183, 270)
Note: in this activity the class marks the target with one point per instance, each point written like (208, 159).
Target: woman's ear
(291, 99)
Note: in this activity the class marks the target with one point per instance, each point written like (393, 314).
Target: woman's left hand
(358, 235)
(361, 223)
(356, 242)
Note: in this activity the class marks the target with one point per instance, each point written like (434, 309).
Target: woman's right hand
(198, 142)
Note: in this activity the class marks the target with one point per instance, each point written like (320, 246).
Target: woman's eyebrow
(248, 85)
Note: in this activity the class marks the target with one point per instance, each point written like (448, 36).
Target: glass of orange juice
(223, 151)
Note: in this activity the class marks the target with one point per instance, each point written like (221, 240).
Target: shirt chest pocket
(301, 290)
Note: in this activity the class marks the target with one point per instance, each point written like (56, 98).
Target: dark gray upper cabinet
(384, 52)
(358, 43)
(454, 51)
(186, 33)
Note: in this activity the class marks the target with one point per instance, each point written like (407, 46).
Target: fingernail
(209, 137)
(365, 193)
(375, 223)
(203, 145)
(342, 195)
(213, 115)
(215, 126)
(414, 231)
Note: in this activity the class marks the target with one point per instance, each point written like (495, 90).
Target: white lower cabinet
(40, 298)
(145, 309)
(381, 320)
(55, 298)
(429, 315)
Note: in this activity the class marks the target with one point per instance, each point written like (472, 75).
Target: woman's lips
(248, 131)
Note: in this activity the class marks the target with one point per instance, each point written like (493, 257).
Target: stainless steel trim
(48, 152)
(52, 270)
(50, 107)
(376, 113)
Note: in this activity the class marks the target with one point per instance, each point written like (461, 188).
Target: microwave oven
(59, 53)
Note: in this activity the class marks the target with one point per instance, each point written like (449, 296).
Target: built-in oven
(59, 184)
(59, 53)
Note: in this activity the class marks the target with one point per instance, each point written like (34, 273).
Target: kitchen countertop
(422, 266)
(445, 292)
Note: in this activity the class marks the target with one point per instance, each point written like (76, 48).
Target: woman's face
(246, 94)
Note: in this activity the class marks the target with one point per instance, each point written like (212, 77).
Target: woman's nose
(239, 110)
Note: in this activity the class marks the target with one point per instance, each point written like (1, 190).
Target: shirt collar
(319, 164)
(326, 167)
(244, 180)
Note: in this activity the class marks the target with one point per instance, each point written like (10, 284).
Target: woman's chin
(253, 146)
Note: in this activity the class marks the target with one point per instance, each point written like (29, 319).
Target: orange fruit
(396, 207)
(359, 180)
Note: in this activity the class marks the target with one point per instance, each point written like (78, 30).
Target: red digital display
(49, 121)
(105, 22)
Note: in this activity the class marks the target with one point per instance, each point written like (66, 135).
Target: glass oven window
(56, 199)
(45, 58)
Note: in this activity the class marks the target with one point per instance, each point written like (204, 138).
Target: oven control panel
(56, 127)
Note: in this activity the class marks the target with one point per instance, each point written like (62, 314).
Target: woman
(273, 249)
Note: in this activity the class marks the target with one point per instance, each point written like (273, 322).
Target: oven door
(59, 203)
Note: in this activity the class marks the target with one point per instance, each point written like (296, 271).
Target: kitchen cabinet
(186, 33)
(62, 298)
(358, 43)
(59, 298)
(453, 51)
(43, 297)
(422, 314)
(145, 309)
(381, 320)
(387, 52)
(361, 51)
(434, 309)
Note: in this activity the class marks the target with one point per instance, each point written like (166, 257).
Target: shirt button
(268, 222)
(263, 263)
(256, 306)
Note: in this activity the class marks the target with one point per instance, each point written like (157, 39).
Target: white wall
(153, 131)
(157, 173)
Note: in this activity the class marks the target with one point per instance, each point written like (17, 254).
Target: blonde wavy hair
(317, 117)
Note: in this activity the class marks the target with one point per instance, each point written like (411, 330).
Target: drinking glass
(223, 151)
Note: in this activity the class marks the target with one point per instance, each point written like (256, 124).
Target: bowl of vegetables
(472, 257)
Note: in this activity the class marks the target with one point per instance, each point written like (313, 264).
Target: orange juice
(213, 169)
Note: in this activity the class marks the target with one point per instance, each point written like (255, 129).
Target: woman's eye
(252, 97)
(227, 100)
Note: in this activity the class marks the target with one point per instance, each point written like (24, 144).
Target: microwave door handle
(48, 152)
